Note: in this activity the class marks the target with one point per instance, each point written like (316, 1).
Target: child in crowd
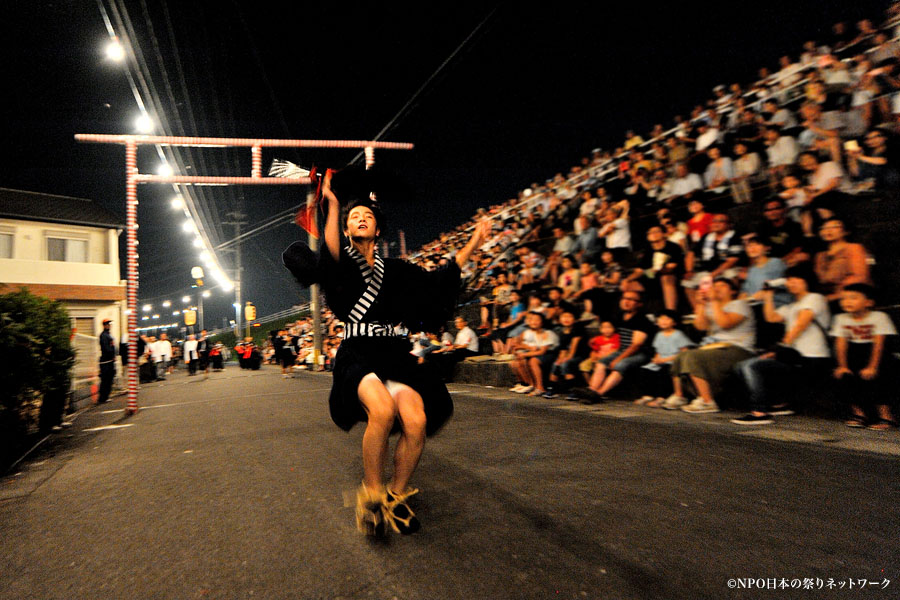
(602, 346)
(667, 343)
(860, 340)
(794, 197)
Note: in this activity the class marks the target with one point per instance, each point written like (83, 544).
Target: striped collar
(373, 276)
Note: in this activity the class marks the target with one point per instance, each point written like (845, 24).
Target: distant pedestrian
(203, 348)
(191, 356)
(107, 362)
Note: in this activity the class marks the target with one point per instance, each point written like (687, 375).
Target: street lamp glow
(165, 170)
(176, 313)
(115, 51)
(143, 124)
(198, 243)
(148, 308)
(227, 286)
(235, 304)
(186, 299)
(177, 202)
(187, 226)
(167, 304)
(155, 316)
(207, 294)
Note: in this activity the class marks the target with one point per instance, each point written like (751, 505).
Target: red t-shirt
(698, 228)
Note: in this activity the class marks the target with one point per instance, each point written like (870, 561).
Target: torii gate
(133, 177)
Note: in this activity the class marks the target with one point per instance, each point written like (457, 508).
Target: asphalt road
(233, 487)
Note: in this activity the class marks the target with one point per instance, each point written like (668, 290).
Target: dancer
(376, 379)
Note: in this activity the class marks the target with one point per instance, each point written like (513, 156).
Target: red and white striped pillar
(370, 161)
(256, 155)
(131, 225)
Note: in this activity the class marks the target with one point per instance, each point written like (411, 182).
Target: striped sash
(373, 277)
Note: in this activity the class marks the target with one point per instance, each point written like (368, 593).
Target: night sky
(528, 96)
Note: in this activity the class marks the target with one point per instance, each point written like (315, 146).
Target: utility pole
(238, 220)
(314, 300)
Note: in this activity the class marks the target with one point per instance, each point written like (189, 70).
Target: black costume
(371, 301)
(107, 366)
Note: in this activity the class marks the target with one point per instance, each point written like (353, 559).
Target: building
(66, 249)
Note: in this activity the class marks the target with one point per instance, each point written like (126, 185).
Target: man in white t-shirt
(464, 345)
(805, 320)
(684, 187)
(162, 354)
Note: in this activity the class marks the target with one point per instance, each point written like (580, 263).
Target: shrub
(36, 358)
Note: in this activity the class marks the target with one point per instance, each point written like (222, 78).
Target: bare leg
(534, 365)
(703, 389)
(669, 291)
(411, 411)
(676, 386)
(598, 376)
(614, 379)
(382, 411)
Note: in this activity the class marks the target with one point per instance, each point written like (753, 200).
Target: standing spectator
(162, 354)
(191, 356)
(730, 336)
(635, 331)
(587, 246)
(806, 320)
(107, 362)
(860, 347)
(842, 263)
(204, 345)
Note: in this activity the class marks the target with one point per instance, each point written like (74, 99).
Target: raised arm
(481, 231)
(332, 221)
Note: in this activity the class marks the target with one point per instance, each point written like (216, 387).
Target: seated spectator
(602, 302)
(573, 348)
(719, 171)
(820, 134)
(603, 345)
(465, 344)
(515, 317)
(730, 337)
(794, 197)
(563, 245)
(674, 232)
(717, 256)
(784, 237)
(781, 117)
(570, 278)
(677, 151)
(842, 263)
(617, 230)
(825, 182)
(686, 186)
(879, 163)
(782, 151)
(658, 270)
(698, 225)
(632, 139)
(763, 269)
(667, 343)
(806, 320)
(635, 332)
(862, 372)
(746, 169)
(534, 354)
(556, 305)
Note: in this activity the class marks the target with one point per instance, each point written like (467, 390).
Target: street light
(207, 294)
(115, 51)
(186, 299)
(148, 308)
(164, 169)
(143, 124)
(187, 226)
(177, 202)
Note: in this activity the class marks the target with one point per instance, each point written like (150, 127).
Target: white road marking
(109, 427)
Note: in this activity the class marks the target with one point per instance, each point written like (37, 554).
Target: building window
(67, 250)
(6, 245)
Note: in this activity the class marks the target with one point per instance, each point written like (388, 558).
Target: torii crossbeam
(133, 178)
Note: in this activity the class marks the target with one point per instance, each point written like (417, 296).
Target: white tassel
(284, 168)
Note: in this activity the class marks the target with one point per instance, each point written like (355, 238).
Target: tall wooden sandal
(397, 512)
(370, 511)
